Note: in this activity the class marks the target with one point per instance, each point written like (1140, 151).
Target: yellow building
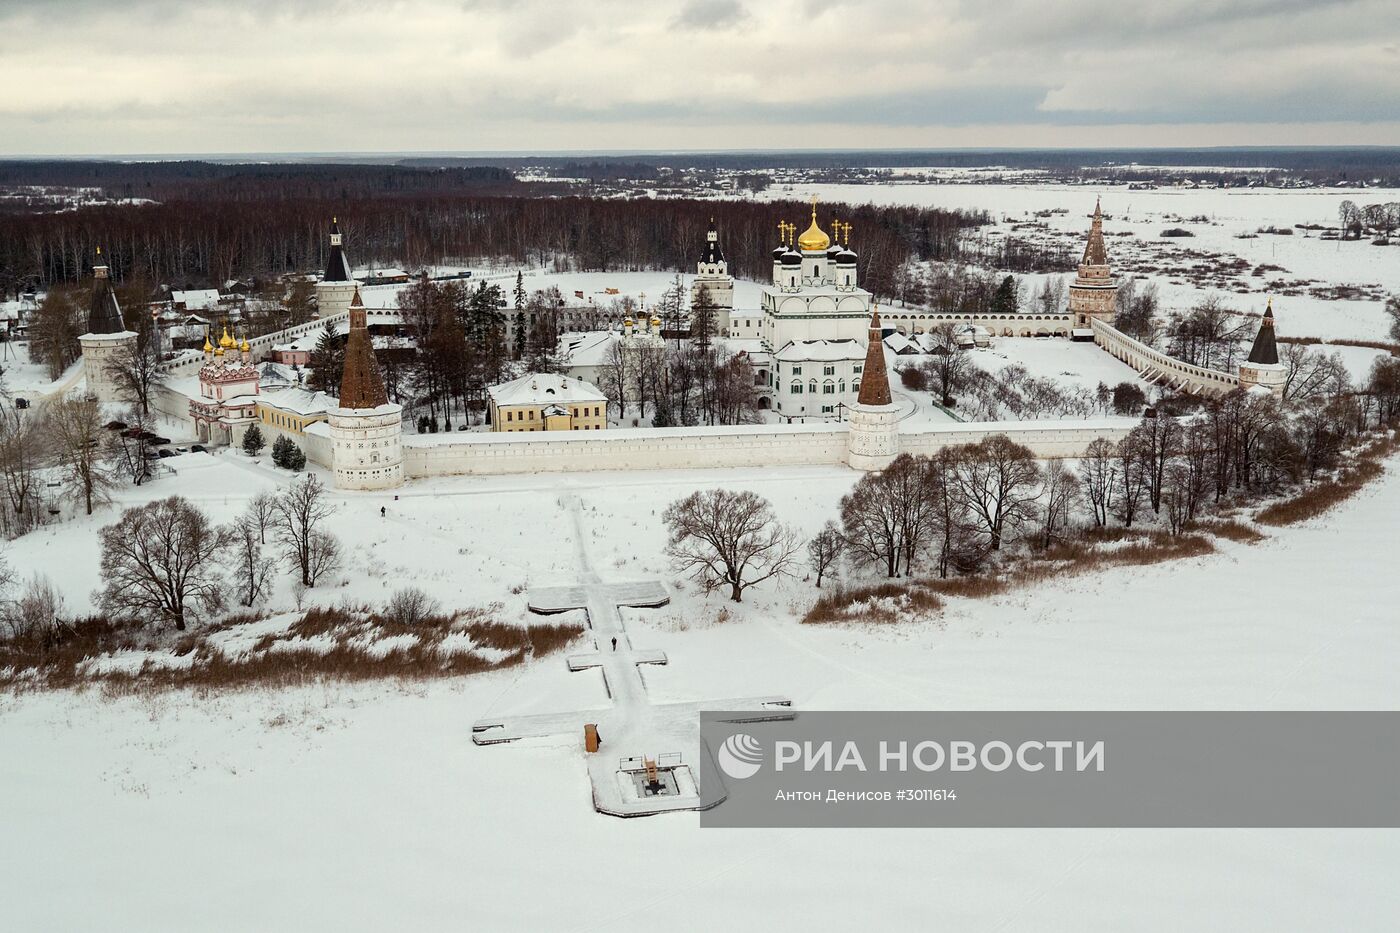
(547, 402)
(291, 410)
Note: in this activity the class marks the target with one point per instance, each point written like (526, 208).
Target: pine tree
(296, 459)
(519, 290)
(327, 362)
(281, 449)
(253, 441)
(1004, 302)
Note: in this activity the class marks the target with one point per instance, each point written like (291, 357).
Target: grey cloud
(710, 14)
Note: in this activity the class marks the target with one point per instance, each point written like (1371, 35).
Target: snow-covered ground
(367, 807)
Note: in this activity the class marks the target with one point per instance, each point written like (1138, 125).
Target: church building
(814, 328)
(712, 278)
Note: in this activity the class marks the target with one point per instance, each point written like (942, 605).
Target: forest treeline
(210, 240)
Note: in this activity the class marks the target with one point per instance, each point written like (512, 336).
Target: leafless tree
(410, 606)
(998, 479)
(163, 558)
(252, 570)
(1098, 473)
(261, 514)
(825, 550)
(728, 538)
(131, 448)
(1059, 494)
(22, 450)
(38, 608)
(1157, 439)
(135, 368)
(82, 446)
(872, 523)
(1132, 479)
(1309, 373)
(949, 362)
(323, 557)
(301, 509)
(615, 375)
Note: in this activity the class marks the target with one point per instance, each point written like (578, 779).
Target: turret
(1093, 294)
(874, 433)
(1261, 369)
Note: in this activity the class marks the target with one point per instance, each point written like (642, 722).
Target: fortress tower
(1093, 293)
(712, 277)
(337, 285)
(1262, 367)
(366, 428)
(874, 438)
(107, 340)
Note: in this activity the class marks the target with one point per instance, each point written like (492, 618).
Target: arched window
(812, 387)
(797, 388)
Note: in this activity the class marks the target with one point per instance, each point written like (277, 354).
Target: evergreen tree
(296, 459)
(702, 320)
(519, 290)
(327, 362)
(1004, 301)
(520, 335)
(281, 449)
(253, 441)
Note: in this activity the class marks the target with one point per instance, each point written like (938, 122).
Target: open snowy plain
(367, 807)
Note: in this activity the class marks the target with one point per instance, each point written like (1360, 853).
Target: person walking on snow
(614, 642)
(381, 511)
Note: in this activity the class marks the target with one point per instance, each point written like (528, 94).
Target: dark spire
(874, 381)
(1095, 254)
(362, 385)
(1265, 349)
(337, 267)
(713, 254)
(104, 314)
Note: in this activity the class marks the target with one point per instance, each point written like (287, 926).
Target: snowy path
(633, 727)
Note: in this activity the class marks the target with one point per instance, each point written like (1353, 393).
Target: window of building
(797, 388)
(797, 370)
(857, 368)
(828, 370)
(828, 388)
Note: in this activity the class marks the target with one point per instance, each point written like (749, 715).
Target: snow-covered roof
(199, 298)
(590, 348)
(544, 389)
(299, 401)
(305, 342)
(820, 351)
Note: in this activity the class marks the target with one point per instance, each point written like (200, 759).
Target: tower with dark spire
(1261, 369)
(366, 428)
(1093, 294)
(362, 384)
(104, 314)
(106, 343)
(337, 284)
(712, 278)
(874, 435)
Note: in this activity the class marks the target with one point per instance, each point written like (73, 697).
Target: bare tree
(824, 550)
(21, 452)
(1097, 471)
(727, 538)
(135, 368)
(162, 557)
(871, 521)
(252, 570)
(410, 606)
(82, 444)
(950, 360)
(323, 557)
(38, 608)
(261, 514)
(1157, 439)
(1059, 493)
(1131, 479)
(998, 479)
(1309, 373)
(301, 508)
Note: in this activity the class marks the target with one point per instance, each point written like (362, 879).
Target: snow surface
(367, 807)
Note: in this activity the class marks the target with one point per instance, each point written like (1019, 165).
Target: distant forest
(215, 223)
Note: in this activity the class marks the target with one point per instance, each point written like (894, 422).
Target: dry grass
(62, 658)
(1231, 530)
(1367, 465)
(880, 603)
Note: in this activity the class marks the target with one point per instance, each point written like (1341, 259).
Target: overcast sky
(217, 76)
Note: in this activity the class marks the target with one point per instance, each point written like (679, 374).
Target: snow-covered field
(367, 807)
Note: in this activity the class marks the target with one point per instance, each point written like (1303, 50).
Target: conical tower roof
(104, 314)
(1095, 253)
(337, 266)
(1265, 349)
(362, 385)
(874, 380)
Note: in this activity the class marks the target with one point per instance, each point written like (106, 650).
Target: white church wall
(701, 448)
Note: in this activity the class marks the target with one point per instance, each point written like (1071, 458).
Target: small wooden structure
(590, 736)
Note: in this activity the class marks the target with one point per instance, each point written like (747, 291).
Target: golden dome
(208, 347)
(245, 347)
(655, 320)
(814, 238)
(225, 341)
